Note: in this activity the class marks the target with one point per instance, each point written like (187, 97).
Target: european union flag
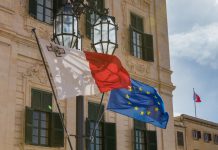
(141, 102)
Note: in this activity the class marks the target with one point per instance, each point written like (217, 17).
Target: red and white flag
(197, 98)
(83, 73)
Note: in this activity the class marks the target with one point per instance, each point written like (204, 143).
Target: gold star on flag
(158, 103)
(156, 109)
(127, 96)
(155, 97)
(148, 92)
(140, 89)
(142, 112)
(136, 108)
(130, 88)
(129, 103)
(148, 113)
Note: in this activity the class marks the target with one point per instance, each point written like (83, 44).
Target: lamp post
(66, 33)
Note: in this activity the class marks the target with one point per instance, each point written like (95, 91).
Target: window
(44, 10)
(144, 139)
(42, 126)
(207, 137)
(196, 134)
(92, 17)
(104, 137)
(215, 139)
(139, 140)
(141, 44)
(180, 138)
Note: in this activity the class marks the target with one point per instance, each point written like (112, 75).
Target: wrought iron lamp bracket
(81, 7)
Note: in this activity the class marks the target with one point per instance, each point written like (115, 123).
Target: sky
(193, 39)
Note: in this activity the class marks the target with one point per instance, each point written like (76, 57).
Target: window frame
(108, 131)
(196, 135)
(44, 8)
(40, 128)
(96, 136)
(41, 103)
(180, 138)
(92, 17)
(207, 137)
(92, 120)
(141, 44)
(215, 139)
(56, 5)
(137, 27)
(148, 136)
(140, 139)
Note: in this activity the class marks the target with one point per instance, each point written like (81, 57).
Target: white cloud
(200, 45)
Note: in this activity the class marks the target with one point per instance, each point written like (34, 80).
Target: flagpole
(55, 97)
(194, 103)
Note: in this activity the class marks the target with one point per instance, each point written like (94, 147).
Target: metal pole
(195, 103)
(55, 97)
(79, 122)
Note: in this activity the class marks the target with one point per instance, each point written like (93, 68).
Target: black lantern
(66, 27)
(104, 37)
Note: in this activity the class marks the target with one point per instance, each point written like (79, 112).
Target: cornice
(198, 121)
(165, 70)
(29, 41)
(4, 9)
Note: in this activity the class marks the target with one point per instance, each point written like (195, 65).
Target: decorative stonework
(22, 7)
(43, 30)
(37, 73)
(141, 4)
(138, 66)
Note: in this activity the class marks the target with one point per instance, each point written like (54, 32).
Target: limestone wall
(21, 69)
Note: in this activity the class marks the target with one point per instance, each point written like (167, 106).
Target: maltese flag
(197, 98)
(77, 73)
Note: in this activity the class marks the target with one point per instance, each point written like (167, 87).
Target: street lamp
(66, 33)
(65, 28)
(104, 37)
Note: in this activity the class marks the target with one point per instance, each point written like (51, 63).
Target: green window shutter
(148, 51)
(109, 136)
(145, 140)
(57, 4)
(36, 99)
(32, 7)
(131, 39)
(28, 125)
(199, 134)
(88, 25)
(93, 111)
(133, 20)
(139, 125)
(180, 138)
(137, 23)
(88, 134)
(46, 102)
(99, 5)
(151, 140)
(57, 131)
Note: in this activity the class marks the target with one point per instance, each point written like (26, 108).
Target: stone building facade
(22, 73)
(195, 134)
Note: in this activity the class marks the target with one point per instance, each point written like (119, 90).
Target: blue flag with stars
(141, 102)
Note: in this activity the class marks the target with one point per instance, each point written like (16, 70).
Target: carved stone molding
(22, 7)
(138, 67)
(37, 73)
(141, 4)
(43, 30)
